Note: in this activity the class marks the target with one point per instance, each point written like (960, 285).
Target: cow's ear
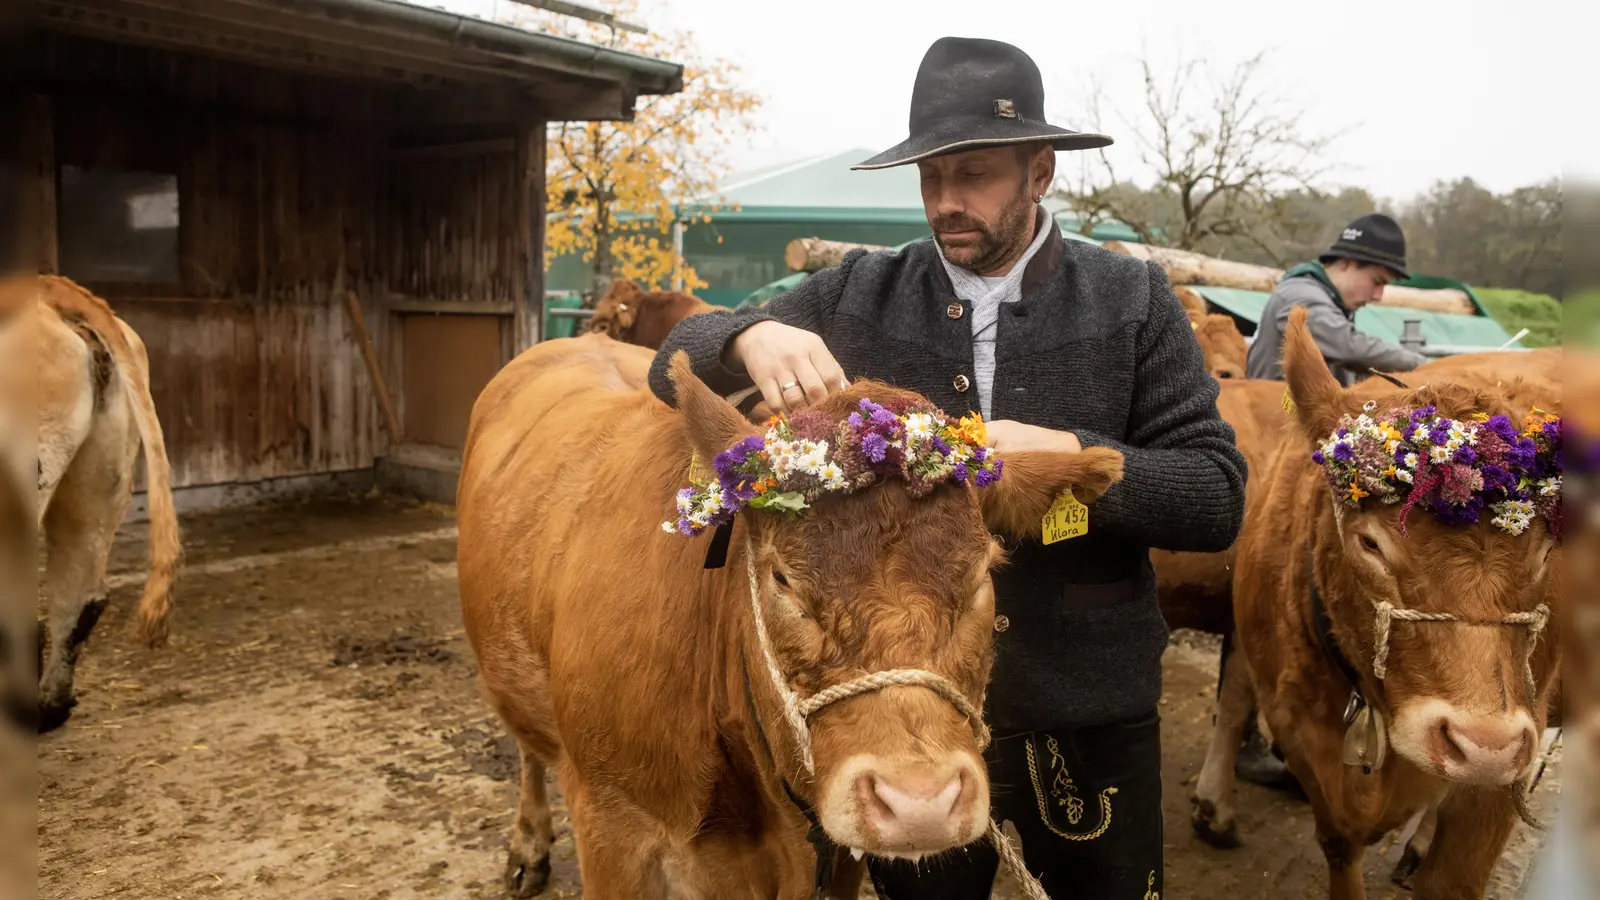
(1031, 480)
(711, 423)
(1319, 399)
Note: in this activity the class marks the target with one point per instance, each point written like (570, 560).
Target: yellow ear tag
(1288, 402)
(699, 473)
(1193, 325)
(1068, 518)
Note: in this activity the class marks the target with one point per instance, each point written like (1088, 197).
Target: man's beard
(994, 247)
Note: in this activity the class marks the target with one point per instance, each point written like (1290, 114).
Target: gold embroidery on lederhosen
(1150, 892)
(1065, 793)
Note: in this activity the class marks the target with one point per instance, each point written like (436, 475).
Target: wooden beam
(529, 321)
(45, 162)
(489, 147)
(414, 305)
(370, 355)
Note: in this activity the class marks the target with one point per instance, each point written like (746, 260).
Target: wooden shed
(261, 187)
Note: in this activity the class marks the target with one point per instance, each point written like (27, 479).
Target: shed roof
(383, 41)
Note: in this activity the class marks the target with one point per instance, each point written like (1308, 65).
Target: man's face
(980, 204)
(1359, 283)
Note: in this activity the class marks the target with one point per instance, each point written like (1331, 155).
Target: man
(1368, 255)
(1060, 344)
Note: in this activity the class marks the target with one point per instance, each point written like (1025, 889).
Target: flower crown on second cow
(1455, 469)
(802, 458)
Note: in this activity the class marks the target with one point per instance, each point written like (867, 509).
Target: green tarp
(1441, 331)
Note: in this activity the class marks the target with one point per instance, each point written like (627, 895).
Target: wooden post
(45, 160)
(528, 318)
(370, 355)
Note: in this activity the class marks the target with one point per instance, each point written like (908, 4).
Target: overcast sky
(1424, 89)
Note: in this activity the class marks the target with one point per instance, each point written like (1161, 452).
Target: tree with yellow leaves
(615, 188)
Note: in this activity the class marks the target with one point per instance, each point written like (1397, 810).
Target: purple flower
(685, 528)
(987, 477)
(1439, 435)
(1343, 432)
(855, 420)
(875, 446)
(1318, 458)
(1501, 426)
(1465, 455)
(1343, 453)
(881, 416)
(960, 472)
(940, 446)
(980, 454)
(1522, 454)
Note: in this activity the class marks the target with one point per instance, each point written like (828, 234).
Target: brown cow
(91, 406)
(635, 316)
(607, 646)
(1196, 589)
(1218, 334)
(1452, 713)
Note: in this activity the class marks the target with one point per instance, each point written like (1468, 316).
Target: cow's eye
(1368, 544)
(779, 578)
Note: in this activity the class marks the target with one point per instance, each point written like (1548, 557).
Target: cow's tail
(132, 366)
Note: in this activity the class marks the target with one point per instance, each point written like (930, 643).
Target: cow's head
(873, 581)
(1223, 345)
(617, 310)
(1454, 692)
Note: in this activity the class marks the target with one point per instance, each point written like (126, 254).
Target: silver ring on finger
(788, 386)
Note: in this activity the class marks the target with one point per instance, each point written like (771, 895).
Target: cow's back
(580, 609)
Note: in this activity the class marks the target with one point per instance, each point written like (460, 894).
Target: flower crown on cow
(1455, 469)
(804, 457)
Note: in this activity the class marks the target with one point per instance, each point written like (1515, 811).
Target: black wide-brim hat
(972, 93)
(1373, 238)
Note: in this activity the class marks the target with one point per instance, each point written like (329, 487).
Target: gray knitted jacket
(1098, 345)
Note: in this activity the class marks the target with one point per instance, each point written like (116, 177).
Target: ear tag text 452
(1068, 518)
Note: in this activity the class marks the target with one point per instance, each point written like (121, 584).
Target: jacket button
(954, 310)
(1001, 623)
(961, 384)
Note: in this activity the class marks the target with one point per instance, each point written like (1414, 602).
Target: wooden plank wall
(254, 371)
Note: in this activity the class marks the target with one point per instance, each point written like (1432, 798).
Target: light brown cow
(635, 316)
(1220, 341)
(92, 411)
(1196, 589)
(1459, 724)
(607, 647)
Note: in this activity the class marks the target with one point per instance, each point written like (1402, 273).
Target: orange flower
(1356, 493)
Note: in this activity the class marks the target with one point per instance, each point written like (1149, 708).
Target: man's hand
(791, 366)
(1007, 436)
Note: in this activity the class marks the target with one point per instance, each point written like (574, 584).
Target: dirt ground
(314, 732)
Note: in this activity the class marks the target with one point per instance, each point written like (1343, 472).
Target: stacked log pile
(1183, 268)
(1186, 268)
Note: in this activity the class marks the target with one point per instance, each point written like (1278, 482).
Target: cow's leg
(1416, 848)
(621, 854)
(532, 834)
(1213, 815)
(1471, 831)
(79, 527)
(1344, 865)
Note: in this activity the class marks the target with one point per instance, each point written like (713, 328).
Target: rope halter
(1535, 621)
(798, 712)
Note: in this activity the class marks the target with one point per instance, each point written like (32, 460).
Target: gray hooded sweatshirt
(1351, 354)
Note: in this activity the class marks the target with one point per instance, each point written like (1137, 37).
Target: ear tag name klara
(1067, 518)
